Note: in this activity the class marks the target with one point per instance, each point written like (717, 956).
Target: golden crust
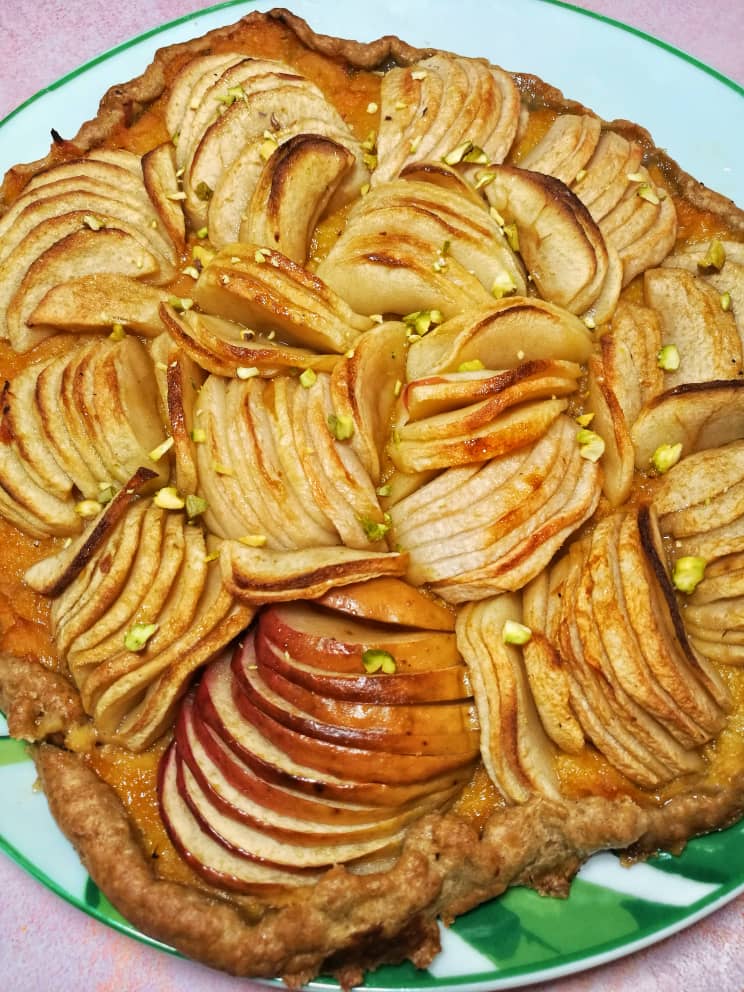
(347, 923)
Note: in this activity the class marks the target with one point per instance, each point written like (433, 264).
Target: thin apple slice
(565, 148)
(293, 192)
(259, 575)
(728, 279)
(179, 382)
(52, 575)
(35, 510)
(515, 749)
(161, 182)
(606, 174)
(98, 458)
(609, 422)
(338, 643)
(205, 855)
(21, 427)
(99, 301)
(434, 685)
(191, 82)
(693, 320)
(562, 247)
(630, 358)
(501, 336)
(703, 491)
(517, 426)
(215, 705)
(390, 601)
(696, 415)
(266, 291)
(373, 276)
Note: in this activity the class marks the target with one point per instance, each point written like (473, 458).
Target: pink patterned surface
(45, 944)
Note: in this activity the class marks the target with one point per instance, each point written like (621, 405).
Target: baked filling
(370, 477)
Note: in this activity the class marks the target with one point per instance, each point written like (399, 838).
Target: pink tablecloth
(45, 943)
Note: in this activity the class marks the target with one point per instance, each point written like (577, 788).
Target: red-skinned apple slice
(392, 601)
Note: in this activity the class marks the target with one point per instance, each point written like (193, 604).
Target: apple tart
(371, 479)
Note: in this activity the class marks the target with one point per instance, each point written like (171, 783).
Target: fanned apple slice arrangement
(350, 517)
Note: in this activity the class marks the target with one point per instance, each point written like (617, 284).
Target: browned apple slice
(514, 746)
(190, 84)
(501, 336)
(609, 422)
(293, 192)
(28, 504)
(390, 601)
(561, 245)
(702, 492)
(338, 643)
(693, 320)
(630, 352)
(99, 301)
(179, 381)
(265, 290)
(696, 415)
(51, 575)
(82, 253)
(216, 706)
(565, 148)
(161, 183)
(729, 279)
(642, 226)
(258, 575)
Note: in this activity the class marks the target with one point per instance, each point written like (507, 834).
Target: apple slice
(696, 415)
(609, 422)
(293, 191)
(337, 643)
(179, 382)
(702, 492)
(728, 279)
(191, 83)
(501, 336)
(97, 302)
(630, 358)
(51, 576)
(266, 291)
(259, 575)
(161, 182)
(35, 510)
(565, 148)
(606, 178)
(391, 601)
(215, 705)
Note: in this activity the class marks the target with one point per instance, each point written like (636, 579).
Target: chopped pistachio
(105, 494)
(514, 632)
(267, 147)
(308, 378)
(474, 365)
(191, 270)
(497, 216)
(591, 445)
(726, 301)
(458, 153)
(715, 257)
(350, 353)
(212, 556)
(174, 138)
(370, 160)
(261, 254)
(647, 192)
(87, 508)
(198, 435)
(688, 572)
(181, 302)
(636, 177)
(224, 279)
(203, 232)
(668, 358)
(247, 372)
(222, 469)
(585, 419)
(370, 142)
(397, 388)
(167, 498)
(117, 332)
(202, 255)
(253, 540)
(372, 107)
(413, 147)
(178, 195)
(419, 74)
(138, 635)
(94, 223)
(512, 236)
(376, 317)
(581, 174)
(157, 453)
(503, 285)
(374, 530)
(590, 323)
(440, 264)
(377, 660)
(195, 506)
(665, 456)
(204, 192)
(401, 105)
(422, 321)
(484, 179)
(384, 490)
(161, 366)
(476, 155)
(341, 426)
(364, 189)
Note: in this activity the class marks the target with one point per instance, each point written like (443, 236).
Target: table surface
(44, 942)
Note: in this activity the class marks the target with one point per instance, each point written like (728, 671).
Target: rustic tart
(372, 494)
